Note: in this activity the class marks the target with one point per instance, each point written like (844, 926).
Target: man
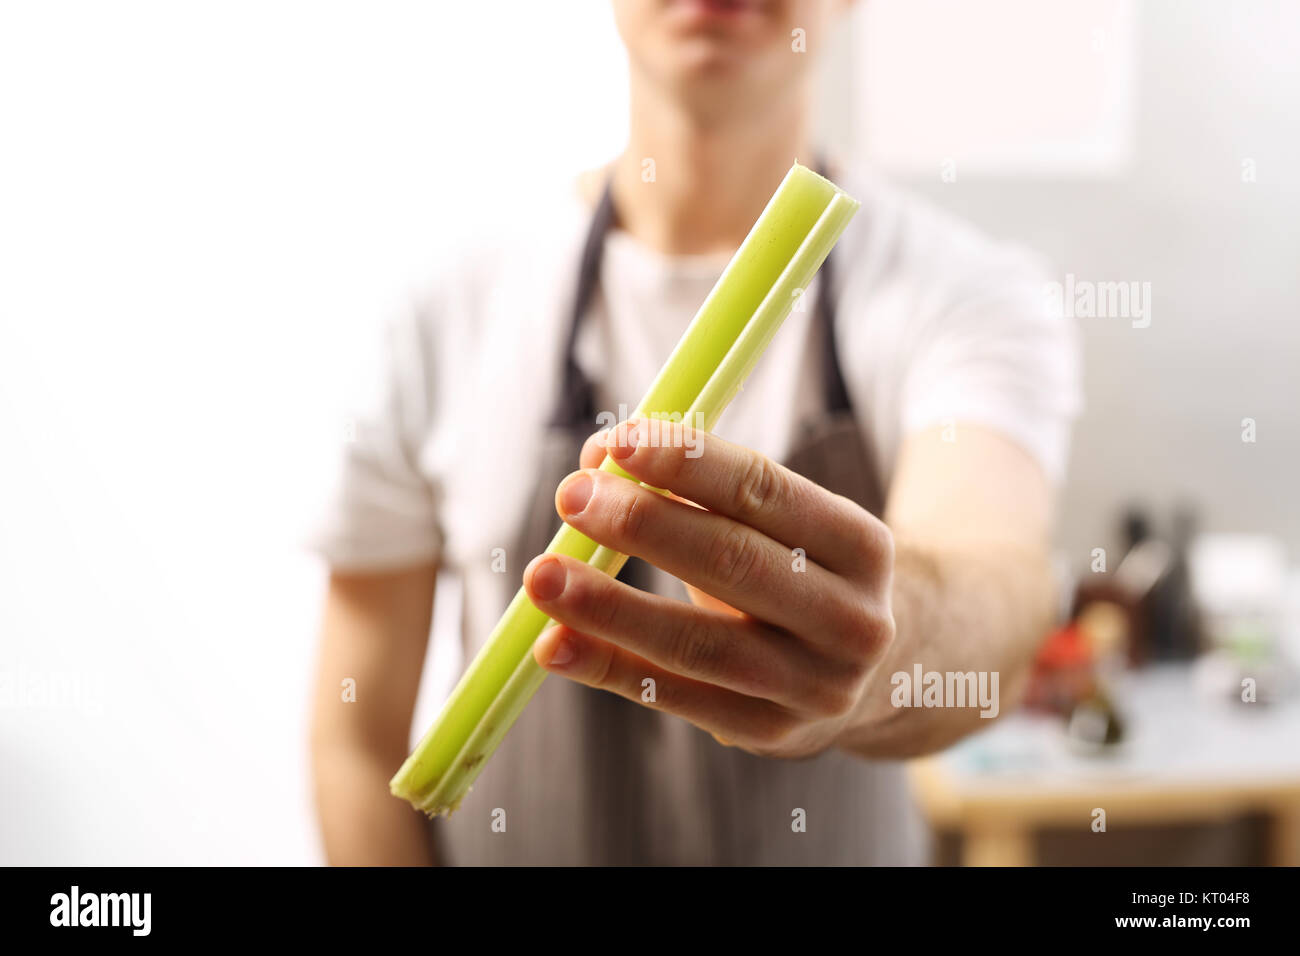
(883, 499)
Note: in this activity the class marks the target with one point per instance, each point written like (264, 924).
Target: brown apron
(587, 777)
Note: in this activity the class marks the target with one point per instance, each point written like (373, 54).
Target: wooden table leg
(1005, 845)
(1284, 847)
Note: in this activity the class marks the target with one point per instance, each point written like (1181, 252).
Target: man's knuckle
(733, 557)
(877, 541)
(882, 630)
(853, 619)
(630, 517)
(691, 652)
(602, 609)
(603, 673)
(758, 488)
(838, 696)
(874, 631)
(661, 463)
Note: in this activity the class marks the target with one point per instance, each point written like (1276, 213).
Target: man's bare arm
(794, 650)
(375, 632)
(973, 587)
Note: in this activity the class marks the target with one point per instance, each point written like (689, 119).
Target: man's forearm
(361, 823)
(374, 634)
(956, 611)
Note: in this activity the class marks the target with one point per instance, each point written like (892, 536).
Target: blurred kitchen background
(1128, 142)
(205, 209)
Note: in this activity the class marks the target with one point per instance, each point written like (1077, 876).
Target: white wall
(204, 207)
(1216, 84)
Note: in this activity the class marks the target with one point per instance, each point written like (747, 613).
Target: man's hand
(807, 572)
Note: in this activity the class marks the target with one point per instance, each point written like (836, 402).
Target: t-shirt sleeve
(994, 352)
(380, 509)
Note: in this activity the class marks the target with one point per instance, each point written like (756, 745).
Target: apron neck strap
(575, 406)
(576, 402)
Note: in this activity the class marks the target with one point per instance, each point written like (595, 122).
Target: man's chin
(705, 61)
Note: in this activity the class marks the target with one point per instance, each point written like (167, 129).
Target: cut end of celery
(425, 801)
(429, 791)
(434, 800)
(430, 808)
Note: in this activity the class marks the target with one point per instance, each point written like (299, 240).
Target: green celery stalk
(775, 263)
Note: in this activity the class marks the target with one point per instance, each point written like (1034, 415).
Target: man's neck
(688, 186)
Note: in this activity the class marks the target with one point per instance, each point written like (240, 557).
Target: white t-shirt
(935, 324)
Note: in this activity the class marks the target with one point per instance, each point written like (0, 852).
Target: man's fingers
(716, 554)
(752, 489)
(713, 646)
(745, 721)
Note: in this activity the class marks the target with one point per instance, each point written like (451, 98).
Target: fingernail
(548, 579)
(624, 444)
(575, 493)
(562, 654)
